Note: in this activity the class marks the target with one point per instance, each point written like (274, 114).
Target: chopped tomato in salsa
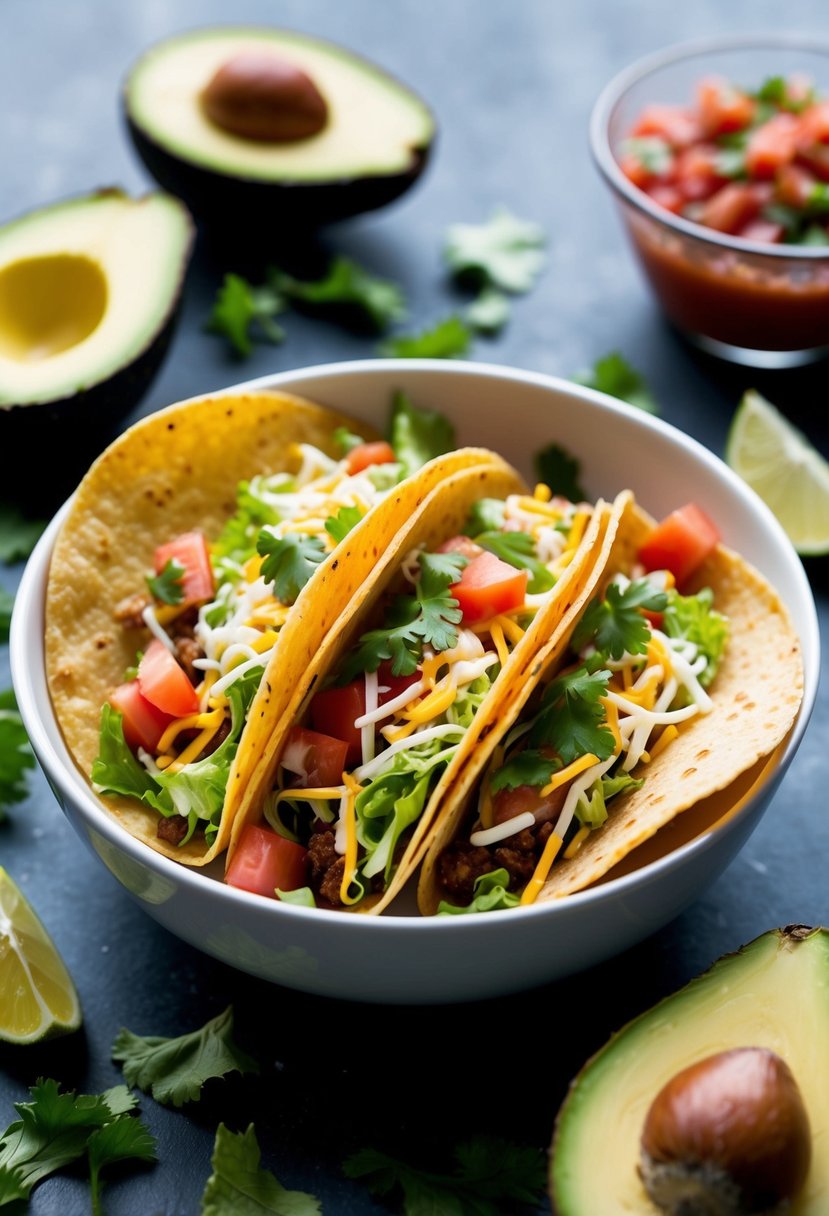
(754, 165)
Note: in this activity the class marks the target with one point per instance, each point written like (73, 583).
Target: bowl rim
(609, 167)
(27, 637)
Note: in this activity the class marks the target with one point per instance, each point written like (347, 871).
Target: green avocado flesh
(774, 993)
(375, 124)
(85, 286)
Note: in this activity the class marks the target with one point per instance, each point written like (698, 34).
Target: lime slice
(37, 996)
(780, 465)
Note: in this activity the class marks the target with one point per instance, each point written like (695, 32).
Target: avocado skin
(259, 206)
(51, 444)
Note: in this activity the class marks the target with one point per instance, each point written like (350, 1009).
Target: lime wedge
(37, 996)
(780, 465)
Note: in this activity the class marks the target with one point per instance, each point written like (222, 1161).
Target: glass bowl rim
(639, 70)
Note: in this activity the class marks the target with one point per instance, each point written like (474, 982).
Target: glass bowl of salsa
(717, 153)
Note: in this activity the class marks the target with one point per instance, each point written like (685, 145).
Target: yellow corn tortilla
(172, 472)
(756, 694)
(443, 515)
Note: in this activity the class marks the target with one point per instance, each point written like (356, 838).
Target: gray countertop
(512, 86)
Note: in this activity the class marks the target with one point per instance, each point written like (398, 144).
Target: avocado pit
(261, 96)
(728, 1136)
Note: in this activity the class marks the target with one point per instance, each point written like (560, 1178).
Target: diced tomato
(143, 723)
(680, 543)
(816, 158)
(378, 452)
(460, 544)
(793, 185)
(656, 619)
(731, 208)
(509, 804)
(667, 196)
(190, 551)
(675, 124)
(335, 710)
(634, 169)
(697, 172)
(772, 145)
(164, 683)
(317, 759)
(764, 231)
(264, 860)
(722, 108)
(488, 586)
(814, 123)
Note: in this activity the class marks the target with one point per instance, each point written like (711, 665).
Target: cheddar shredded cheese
(533, 887)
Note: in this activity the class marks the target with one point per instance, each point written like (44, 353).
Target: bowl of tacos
(405, 681)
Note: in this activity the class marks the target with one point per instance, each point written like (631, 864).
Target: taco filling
(643, 659)
(207, 622)
(356, 776)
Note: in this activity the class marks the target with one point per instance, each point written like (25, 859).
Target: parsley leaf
(488, 1175)
(504, 252)
(238, 1187)
(530, 767)
(418, 435)
(290, 561)
(560, 471)
(518, 549)
(239, 306)
(18, 535)
(125, 1139)
(615, 376)
(615, 624)
(166, 586)
(349, 290)
(174, 1070)
(6, 606)
(15, 753)
(427, 617)
(572, 718)
(448, 339)
(338, 526)
(489, 311)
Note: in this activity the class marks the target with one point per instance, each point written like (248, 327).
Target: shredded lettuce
(115, 769)
(694, 617)
(468, 701)
(491, 894)
(303, 897)
(591, 811)
(416, 435)
(237, 540)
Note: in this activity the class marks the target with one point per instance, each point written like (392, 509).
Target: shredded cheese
(567, 774)
(497, 635)
(551, 849)
(510, 827)
(668, 735)
(577, 841)
(350, 817)
(200, 720)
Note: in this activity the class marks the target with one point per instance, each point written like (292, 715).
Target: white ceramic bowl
(403, 958)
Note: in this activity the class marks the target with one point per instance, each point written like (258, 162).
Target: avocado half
(373, 146)
(88, 296)
(773, 994)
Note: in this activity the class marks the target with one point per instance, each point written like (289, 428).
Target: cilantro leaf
(429, 616)
(338, 526)
(290, 561)
(651, 151)
(346, 440)
(350, 290)
(16, 754)
(239, 306)
(18, 535)
(504, 252)
(125, 1139)
(614, 375)
(615, 625)
(237, 540)
(6, 606)
(571, 720)
(695, 618)
(489, 311)
(174, 1070)
(52, 1131)
(560, 471)
(518, 549)
(239, 1187)
(167, 586)
(447, 339)
(529, 767)
(488, 1174)
(417, 435)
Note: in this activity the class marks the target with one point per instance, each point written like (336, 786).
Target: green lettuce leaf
(417, 435)
(491, 894)
(695, 618)
(115, 769)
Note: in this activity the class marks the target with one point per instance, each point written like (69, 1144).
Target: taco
(646, 702)
(340, 804)
(234, 506)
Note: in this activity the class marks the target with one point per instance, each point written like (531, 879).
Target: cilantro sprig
(239, 1186)
(427, 617)
(338, 526)
(529, 767)
(614, 624)
(505, 252)
(560, 471)
(490, 1176)
(6, 606)
(18, 535)
(290, 561)
(167, 585)
(612, 374)
(518, 549)
(447, 339)
(242, 313)
(174, 1070)
(16, 756)
(571, 720)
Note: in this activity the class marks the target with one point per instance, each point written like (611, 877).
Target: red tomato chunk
(366, 454)
(680, 543)
(190, 551)
(143, 723)
(162, 681)
(264, 860)
(488, 586)
(335, 710)
(317, 760)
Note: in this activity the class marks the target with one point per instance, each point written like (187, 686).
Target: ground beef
(187, 651)
(461, 863)
(128, 612)
(216, 742)
(327, 865)
(185, 624)
(173, 830)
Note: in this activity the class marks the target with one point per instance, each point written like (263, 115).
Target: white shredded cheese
(501, 831)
